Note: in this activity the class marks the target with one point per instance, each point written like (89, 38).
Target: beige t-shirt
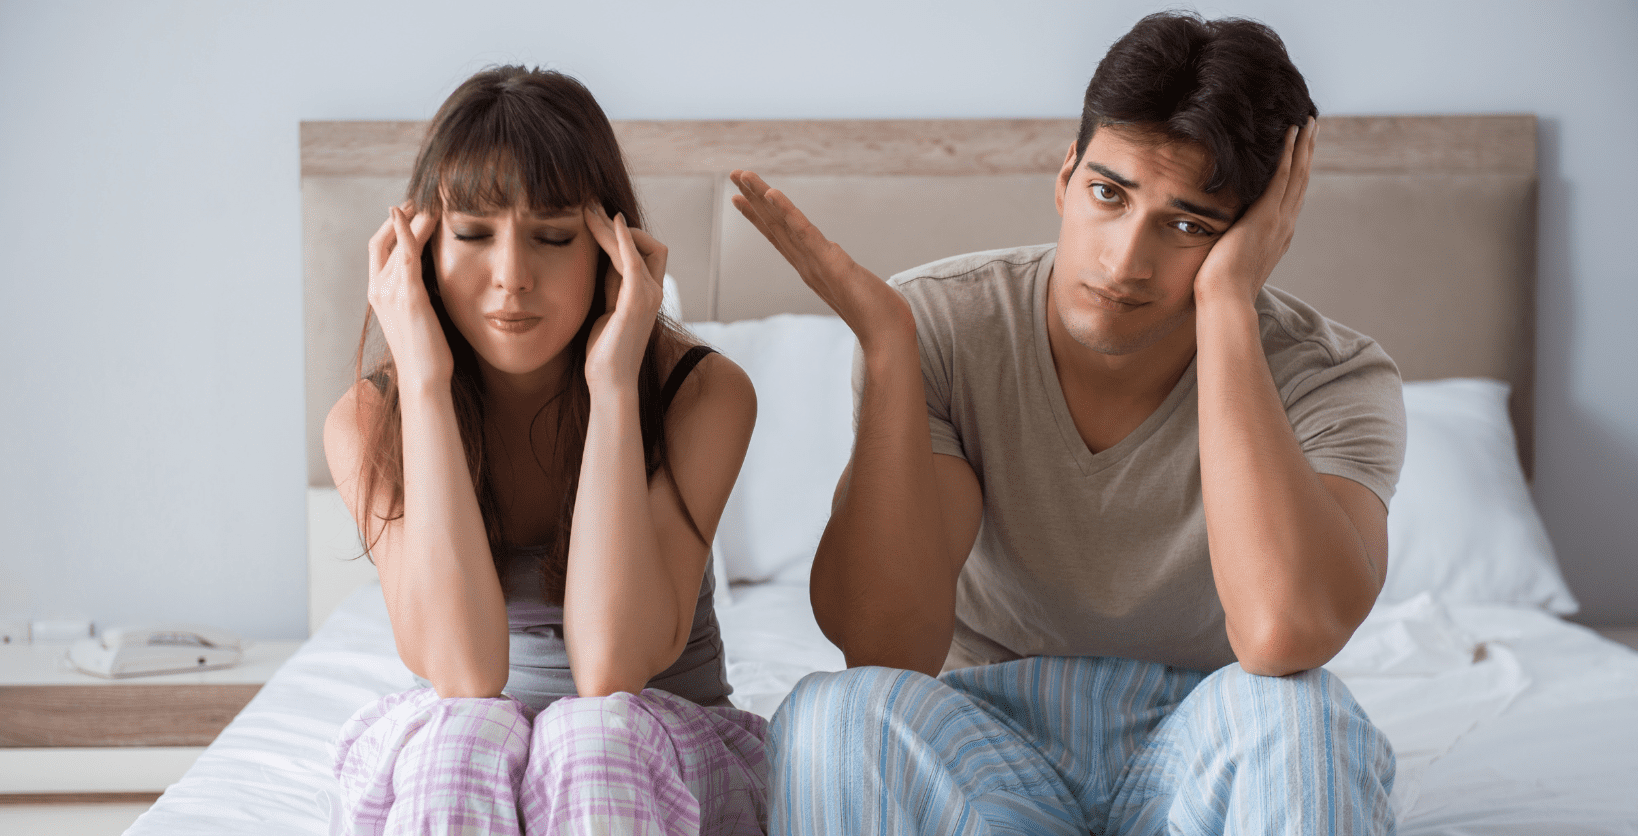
(1083, 554)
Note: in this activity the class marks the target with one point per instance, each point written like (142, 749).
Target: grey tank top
(540, 671)
(538, 657)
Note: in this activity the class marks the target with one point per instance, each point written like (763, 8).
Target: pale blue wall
(152, 451)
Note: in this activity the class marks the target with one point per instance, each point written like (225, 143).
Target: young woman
(537, 468)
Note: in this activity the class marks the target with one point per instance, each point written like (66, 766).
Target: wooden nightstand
(67, 736)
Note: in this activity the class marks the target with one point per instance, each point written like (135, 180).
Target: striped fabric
(1060, 745)
(653, 764)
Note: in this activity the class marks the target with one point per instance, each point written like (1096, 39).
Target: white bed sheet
(1506, 720)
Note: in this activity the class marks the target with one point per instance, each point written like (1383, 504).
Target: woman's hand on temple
(398, 296)
(866, 303)
(633, 293)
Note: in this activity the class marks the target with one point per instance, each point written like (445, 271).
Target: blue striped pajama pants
(1068, 745)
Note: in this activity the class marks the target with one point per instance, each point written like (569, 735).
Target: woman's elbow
(476, 683)
(464, 677)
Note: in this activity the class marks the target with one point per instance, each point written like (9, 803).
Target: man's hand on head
(1242, 260)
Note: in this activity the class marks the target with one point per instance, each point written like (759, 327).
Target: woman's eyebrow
(491, 214)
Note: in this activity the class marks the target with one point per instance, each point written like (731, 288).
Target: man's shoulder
(987, 264)
(1291, 325)
(1305, 348)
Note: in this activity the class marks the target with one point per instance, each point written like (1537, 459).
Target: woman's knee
(419, 718)
(578, 726)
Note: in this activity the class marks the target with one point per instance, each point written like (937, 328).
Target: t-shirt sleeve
(935, 376)
(1349, 418)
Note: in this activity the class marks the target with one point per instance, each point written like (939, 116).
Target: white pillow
(1461, 525)
(801, 367)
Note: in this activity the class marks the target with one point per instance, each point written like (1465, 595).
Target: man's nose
(1125, 254)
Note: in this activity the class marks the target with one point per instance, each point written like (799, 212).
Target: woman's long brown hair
(510, 136)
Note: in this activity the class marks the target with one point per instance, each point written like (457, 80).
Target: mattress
(1506, 719)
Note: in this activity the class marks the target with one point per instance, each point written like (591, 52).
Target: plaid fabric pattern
(1061, 746)
(653, 764)
(412, 763)
(650, 763)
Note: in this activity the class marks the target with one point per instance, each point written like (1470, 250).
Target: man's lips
(1114, 301)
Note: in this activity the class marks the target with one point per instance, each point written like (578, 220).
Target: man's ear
(1064, 175)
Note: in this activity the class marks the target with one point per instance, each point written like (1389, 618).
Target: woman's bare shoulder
(348, 426)
(717, 384)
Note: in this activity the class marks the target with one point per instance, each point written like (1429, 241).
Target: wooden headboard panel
(1419, 231)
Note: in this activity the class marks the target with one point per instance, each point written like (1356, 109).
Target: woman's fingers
(641, 279)
(652, 251)
(407, 256)
(422, 227)
(633, 252)
(602, 230)
(381, 246)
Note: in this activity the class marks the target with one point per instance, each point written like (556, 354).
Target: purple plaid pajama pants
(652, 763)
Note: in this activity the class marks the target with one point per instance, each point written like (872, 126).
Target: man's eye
(1104, 193)
(1191, 228)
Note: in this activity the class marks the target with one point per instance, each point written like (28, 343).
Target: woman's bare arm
(635, 564)
(444, 599)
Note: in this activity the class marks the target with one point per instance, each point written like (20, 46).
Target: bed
(1417, 230)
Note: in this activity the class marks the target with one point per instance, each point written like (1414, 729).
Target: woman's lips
(512, 323)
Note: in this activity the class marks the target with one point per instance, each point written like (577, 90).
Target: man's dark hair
(1226, 85)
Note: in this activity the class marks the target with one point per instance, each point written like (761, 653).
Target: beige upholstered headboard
(1419, 231)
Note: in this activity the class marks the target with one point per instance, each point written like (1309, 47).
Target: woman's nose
(510, 267)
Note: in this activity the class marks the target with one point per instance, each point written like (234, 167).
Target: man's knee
(1295, 709)
(1316, 687)
(846, 712)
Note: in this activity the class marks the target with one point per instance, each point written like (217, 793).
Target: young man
(1151, 503)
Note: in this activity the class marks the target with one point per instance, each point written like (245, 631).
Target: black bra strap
(680, 372)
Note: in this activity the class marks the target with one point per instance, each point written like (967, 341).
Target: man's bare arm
(884, 577)
(1298, 558)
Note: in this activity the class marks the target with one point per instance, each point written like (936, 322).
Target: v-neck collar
(1088, 461)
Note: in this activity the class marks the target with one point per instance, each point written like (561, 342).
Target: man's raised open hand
(858, 296)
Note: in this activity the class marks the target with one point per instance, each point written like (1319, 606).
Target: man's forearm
(882, 586)
(1291, 569)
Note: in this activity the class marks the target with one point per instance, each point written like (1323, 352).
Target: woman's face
(518, 285)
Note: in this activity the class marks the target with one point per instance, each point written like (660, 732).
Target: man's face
(1136, 228)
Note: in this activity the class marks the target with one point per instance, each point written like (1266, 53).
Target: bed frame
(1417, 230)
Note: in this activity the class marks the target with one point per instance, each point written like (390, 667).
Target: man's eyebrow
(1202, 211)
(1176, 202)
(1110, 173)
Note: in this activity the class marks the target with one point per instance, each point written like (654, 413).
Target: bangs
(496, 161)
